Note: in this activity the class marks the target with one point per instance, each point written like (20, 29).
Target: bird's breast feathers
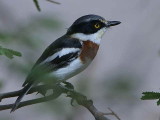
(89, 51)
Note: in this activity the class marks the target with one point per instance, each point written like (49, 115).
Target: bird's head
(90, 27)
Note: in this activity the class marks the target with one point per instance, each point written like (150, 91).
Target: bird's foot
(69, 94)
(70, 91)
(42, 92)
(78, 97)
(69, 85)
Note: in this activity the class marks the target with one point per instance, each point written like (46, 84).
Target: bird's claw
(69, 85)
(69, 94)
(72, 100)
(42, 92)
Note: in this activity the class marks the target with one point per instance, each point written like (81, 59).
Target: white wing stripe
(61, 53)
(66, 51)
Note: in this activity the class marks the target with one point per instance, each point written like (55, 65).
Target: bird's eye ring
(97, 25)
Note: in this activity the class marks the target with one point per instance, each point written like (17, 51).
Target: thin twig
(37, 5)
(53, 2)
(17, 93)
(30, 102)
(113, 113)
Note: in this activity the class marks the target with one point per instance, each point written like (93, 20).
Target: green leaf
(9, 53)
(158, 102)
(37, 5)
(150, 95)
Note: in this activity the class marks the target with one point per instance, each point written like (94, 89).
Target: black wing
(63, 42)
(58, 62)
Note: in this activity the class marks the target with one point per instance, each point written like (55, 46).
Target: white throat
(96, 37)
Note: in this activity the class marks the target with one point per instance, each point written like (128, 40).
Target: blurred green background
(127, 63)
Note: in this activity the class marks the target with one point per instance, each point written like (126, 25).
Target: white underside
(69, 71)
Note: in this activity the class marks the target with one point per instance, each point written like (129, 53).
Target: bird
(68, 55)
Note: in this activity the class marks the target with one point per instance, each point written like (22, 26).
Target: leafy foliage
(151, 96)
(9, 53)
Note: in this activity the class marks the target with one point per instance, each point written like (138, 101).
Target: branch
(57, 91)
(30, 102)
(53, 1)
(32, 90)
(37, 4)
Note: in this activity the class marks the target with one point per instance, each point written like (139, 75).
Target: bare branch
(17, 93)
(114, 114)
(110, 113)
(30, 102)
(37, 5)
(53, 1)
(57, 91)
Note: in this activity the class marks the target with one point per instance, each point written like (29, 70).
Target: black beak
(112, 23)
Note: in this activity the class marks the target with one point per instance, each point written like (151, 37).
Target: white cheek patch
(61, 53)
(96, 37)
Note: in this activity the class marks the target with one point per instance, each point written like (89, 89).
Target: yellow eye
(97, 25)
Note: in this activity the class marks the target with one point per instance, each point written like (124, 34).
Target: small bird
(69, 54)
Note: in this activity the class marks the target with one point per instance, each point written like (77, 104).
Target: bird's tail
(24, 92)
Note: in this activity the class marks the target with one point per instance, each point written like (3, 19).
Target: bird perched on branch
(69, 54)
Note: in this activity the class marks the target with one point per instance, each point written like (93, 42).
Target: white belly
(69, 71)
